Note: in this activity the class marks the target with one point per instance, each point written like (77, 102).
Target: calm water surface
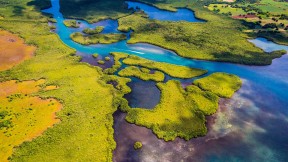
(181, 14)
(251, 126)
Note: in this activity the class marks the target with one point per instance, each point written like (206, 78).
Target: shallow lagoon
(182, 14)
(251, 126)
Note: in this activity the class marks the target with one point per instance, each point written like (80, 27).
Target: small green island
(97, 38)
(224, 85)
(137, 145)
(95, 55)
(97, 30)
(71, 23)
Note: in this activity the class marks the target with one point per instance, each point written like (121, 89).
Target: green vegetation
(219, 39)
(97, 30)
(97, 38)
(107, 58)
(170, 69)
(4, 123)
(92, 10)
(52, 20)
(173, 116)
(101, 62)
(222, 84)
(71, 23)
(206, 101)
(85, 132)
(28, 115)
(266, 18)
(95, 55)
(142, 73)
(121, 83)
(3, 114)
(179, 107)
(117, 64)
(137, 145)
(90, 97)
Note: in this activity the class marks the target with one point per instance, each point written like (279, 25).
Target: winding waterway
(251, 126)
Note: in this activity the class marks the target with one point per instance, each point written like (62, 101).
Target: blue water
(264, 87)
(182, 14)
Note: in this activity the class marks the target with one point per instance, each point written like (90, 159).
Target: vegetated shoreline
(169, 131)
(134, 71)
(271, 39)
(171, 9)
(99, 38)
(68, 59)
(196, 13)
(211, 60)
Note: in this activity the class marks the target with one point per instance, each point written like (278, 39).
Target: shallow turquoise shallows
(256, 117)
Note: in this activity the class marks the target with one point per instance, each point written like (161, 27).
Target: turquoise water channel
(251, 126)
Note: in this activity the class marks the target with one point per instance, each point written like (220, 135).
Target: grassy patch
(258, 16)
(137, 145)
(170, 69)
(97, 30)
(71, 23)
(97, 38)
(95, 55)
(206, 101)
(144, 74)
(101, 62)
(23, 116)
(107, 58)
(13, 50)
(222, 84)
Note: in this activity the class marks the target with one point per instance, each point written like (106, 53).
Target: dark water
(145, 94)
(251, 126)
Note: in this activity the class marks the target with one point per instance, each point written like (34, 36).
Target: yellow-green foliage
(142, 73)
(219, 39)
(97, 30)
(101, 62)
(206, 101)
(107, 58)
(71, 23)
(226, 8)
(117, 64)
(95, 55)
(97, 38)
(170, 69)
(22, 115)
(137, 145)
(175, 115)
(121, 83)
(222, 84)
(85, 132)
